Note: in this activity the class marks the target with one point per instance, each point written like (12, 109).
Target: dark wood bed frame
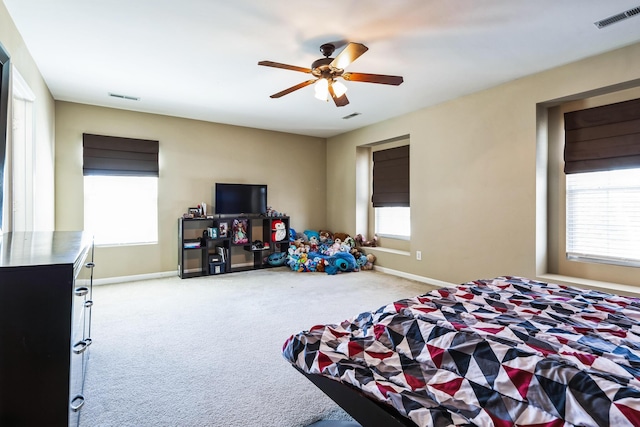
(363, 409)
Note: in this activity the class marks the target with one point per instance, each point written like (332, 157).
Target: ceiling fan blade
(348, 55)
(373, 78)
(284, 66)
(340, 101)
(293, 88)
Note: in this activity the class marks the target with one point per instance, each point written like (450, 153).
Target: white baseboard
(135, 278)
(428, 280)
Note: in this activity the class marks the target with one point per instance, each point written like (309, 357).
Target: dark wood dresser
(45, 326)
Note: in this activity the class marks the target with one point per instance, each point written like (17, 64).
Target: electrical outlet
(419, 255)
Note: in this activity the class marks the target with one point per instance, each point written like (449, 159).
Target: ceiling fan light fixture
(326, 70)
(338, 88)
(322, 89)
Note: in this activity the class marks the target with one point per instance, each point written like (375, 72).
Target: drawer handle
(81, 291)
(77, 402)
(88, 303)
(81, 346)
(90, 265)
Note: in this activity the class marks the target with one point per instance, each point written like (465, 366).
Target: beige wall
(44, 121)
(193, 156)
(478, 195)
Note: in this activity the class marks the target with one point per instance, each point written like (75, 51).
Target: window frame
(400, 142)
(551, 260)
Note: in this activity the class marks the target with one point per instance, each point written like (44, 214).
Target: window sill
(608, 287)
(394, 236)
(120, 245)
(385, 250)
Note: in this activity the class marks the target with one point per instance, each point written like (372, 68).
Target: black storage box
(216, 267)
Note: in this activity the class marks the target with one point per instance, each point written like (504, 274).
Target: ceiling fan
(326, 70)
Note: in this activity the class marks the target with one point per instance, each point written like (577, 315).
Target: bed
(499, 352)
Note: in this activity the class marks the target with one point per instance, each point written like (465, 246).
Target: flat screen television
(236, 199)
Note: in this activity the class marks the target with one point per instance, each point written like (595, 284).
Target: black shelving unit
(194, 261)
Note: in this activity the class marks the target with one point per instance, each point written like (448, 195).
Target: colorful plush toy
(279, 231)
(277, 258)
(360, 241)
(313, 243)
(312, 233)
(349, 241)
(371, 258)
(340, 236)
(325, 236)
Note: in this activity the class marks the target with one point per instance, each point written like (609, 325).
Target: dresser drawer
(77, 372)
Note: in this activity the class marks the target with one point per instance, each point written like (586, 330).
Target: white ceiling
(198, 58)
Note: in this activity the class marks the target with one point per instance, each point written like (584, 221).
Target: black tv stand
(196, 249)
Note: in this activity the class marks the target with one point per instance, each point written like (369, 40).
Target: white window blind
(603, 217)
(393, 222)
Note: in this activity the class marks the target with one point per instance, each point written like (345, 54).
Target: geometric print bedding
(500, 352)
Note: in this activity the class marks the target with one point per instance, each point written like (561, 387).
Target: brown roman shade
(110, 155)
(391, 178)
(602, 138)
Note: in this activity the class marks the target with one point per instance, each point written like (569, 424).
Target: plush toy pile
(326, 252)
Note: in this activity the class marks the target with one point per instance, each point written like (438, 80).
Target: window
(603, 216)
(390, 196)
(120, 189)
(121, 210)
(5, 68)
(393, 222)
(602, 166)
(23, 155)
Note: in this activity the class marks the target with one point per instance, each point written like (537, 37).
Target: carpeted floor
(207, 351)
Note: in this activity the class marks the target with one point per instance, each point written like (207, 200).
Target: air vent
(350, 116)
(617, 18)
(130, 98)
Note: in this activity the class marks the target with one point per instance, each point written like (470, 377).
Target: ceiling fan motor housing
(321, 68)
(327, 49)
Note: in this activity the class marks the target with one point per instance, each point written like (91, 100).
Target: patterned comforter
(500, 352)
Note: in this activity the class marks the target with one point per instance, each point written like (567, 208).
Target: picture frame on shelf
(195, 212)
(213, 232)
(223, 229)
(240, 231)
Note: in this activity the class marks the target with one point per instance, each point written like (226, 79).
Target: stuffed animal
(279, 231)
(371, 258)
(360, 241)
(325, 236)
(361, 261)
(349, 241)
(313, 243)
(333, 249)
(277, 258)
(312, 233)
(343, 261)
(341, 236)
